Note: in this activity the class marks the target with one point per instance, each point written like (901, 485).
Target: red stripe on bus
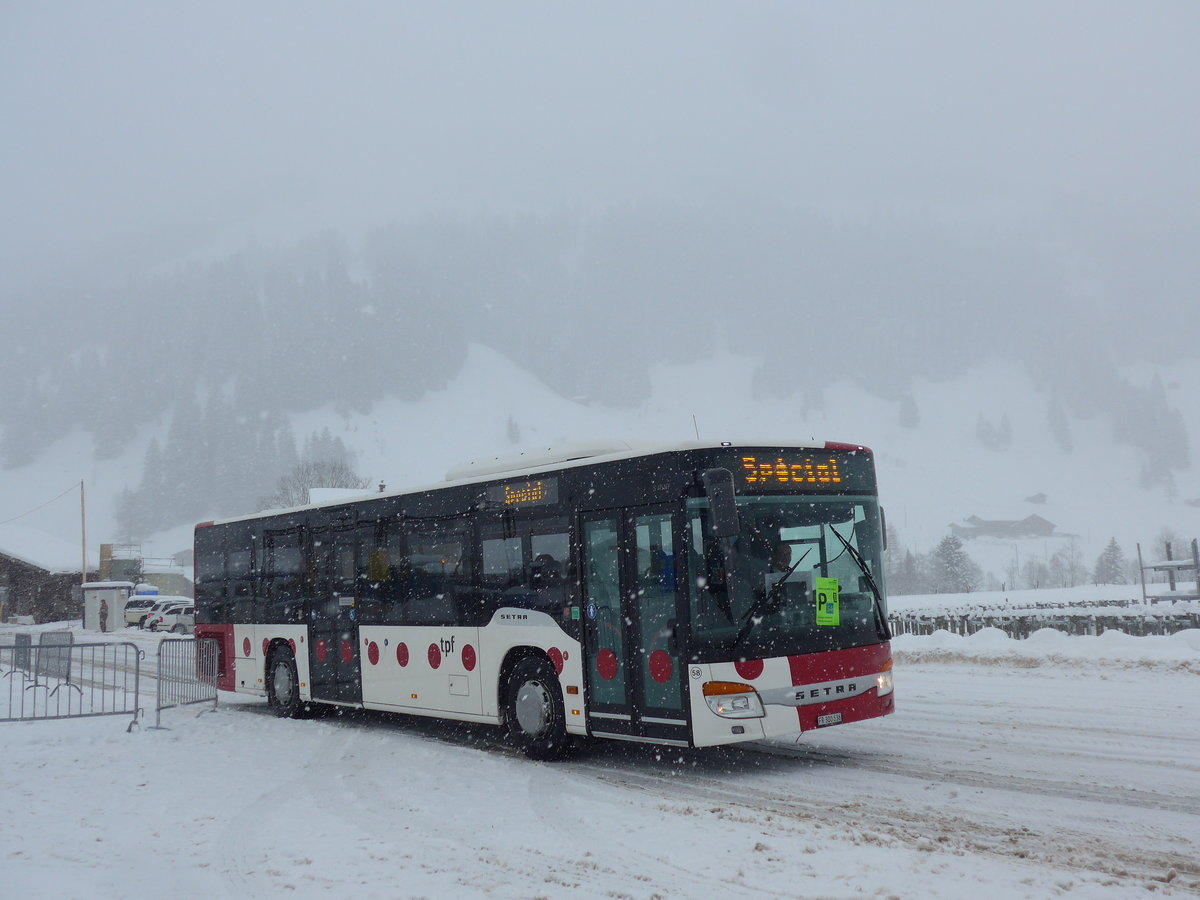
(834, 665)
(223, 634)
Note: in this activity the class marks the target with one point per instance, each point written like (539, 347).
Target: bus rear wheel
(534, 709)
(283, 685)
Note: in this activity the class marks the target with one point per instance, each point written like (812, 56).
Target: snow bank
(1047, 647)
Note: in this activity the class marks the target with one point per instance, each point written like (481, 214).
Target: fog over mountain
(230, 226)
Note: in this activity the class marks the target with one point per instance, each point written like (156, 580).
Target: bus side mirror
(718, 487)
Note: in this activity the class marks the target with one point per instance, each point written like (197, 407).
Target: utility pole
(1142, 571)
(83, 530)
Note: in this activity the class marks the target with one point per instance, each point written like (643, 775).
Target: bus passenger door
(631, 609)
(333, 625)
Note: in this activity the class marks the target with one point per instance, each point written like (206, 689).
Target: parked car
(176, 619)
(136, 608)
(160, 606)
(166, 618)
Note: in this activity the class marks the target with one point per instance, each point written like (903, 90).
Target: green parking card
(829, 609)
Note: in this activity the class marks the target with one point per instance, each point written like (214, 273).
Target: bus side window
(395, 589)
(282, 569)
(501, 573)
(210, 578)
(373, 585)
(549, 577)
(239, 590)
(437, 555)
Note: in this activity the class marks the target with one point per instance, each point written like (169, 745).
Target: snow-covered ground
(1058, 766)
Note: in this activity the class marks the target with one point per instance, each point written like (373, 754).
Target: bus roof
(532, 462)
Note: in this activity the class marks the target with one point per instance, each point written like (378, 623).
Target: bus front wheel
(283, 685)
(534, 709)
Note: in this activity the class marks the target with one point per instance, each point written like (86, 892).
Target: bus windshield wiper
(765, 604)
(877, 602)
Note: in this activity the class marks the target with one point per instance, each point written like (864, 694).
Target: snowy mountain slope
(931, 475)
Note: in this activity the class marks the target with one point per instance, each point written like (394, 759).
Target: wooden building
(40, 575)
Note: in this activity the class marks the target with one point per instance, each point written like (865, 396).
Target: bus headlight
(883, 681)
(733, 700)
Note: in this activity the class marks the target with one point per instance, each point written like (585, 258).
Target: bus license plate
(831, 719)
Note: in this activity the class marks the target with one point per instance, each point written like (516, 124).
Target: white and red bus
(690, 595)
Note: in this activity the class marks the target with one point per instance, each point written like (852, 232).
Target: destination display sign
(534, 492)
(777, 470)
(834, 471)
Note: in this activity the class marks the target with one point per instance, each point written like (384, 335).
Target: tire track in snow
(657, 872)
(244, 859)
(1007, 781)
(880, 819)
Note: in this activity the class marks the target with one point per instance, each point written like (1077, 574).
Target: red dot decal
(322, 650)
(468, 657)
(606, 664)
(749, 668)
(402, 654)
(435, 656)
(373, 653)
(246, 647)
(556, 657)
(292, 644)
(347, 652)
(660, 666)
(266, 644)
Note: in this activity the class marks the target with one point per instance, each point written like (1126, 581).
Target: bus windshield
(801, 576)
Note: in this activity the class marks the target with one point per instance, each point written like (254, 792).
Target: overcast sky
(127, 124)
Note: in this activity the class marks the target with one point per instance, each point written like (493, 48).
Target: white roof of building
(43, 550)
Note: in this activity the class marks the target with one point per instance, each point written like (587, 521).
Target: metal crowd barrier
(59, 679)
(187, 674)
(1022, 626)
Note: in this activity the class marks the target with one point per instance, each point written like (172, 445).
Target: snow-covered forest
(184, 428)
(226, 350)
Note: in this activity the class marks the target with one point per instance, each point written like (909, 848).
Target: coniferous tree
(952, 570)
(1111, 565)
(323, 446)
(285, 447)
(907, 577)
(141, 511)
